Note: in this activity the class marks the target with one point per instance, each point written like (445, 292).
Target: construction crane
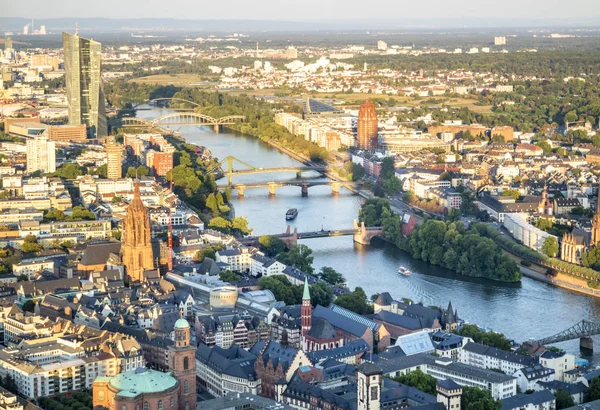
(170, 232)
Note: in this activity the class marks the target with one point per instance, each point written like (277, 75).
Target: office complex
(85, 96)
(41, 154)
(114, 153)
(367, 127)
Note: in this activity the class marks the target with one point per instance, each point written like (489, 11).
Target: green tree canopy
(550, 246)
(356, 301)
(331, 276)
(299, 256)
(271, 245)
(420, 380)
(474, 398)
(564, 399)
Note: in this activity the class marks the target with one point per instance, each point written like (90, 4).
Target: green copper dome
(142, 380)
(182, 324)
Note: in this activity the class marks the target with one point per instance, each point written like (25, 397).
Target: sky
(310, 10)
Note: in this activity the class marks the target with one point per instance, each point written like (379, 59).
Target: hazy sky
(295, 10)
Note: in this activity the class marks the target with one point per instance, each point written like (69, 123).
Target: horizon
(305, 11)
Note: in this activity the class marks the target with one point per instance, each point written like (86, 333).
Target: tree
(229, 276)
(30, 244)
(392, 185)
(493, 339)
(282, 289)
(388, 169)
(545, 147)
(543, 223)
(298, 256)
(409, 197)
(140, 171)
(79, 213)
(331, 276)
(29, 306)
(474, 398)
(220, 224)
(356, 301)
(420, 380)
(69, 170)
(116, 199)
(550, 246)
(101, 171)
(54, 215)
(271, 245)
(22, 278)
(512, 192)
(593, 391)
(239, 224)
(321, 294)
(564, 399)
(208, 252)
(445, 176)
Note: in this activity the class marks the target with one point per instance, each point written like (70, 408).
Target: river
(522, 311)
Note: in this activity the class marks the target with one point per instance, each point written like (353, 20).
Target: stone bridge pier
(586, 343)
(304, 190)
(240, 190)
(335, 187)
(217, 128)
(363, 235)
(272, 188)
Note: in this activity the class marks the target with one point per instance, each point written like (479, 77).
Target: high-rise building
(367, 127)
(85, 95)
(8, 43)
(291, 53)
(43, 30)
(114, 153)
(499, 41)
(382, 45)
(41, 154)
(26, 29)
(137, 248)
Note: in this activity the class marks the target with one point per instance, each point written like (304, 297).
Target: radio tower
(170, 232)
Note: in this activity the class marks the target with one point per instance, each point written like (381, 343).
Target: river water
(521, 311)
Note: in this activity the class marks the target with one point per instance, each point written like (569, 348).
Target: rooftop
(142, 380)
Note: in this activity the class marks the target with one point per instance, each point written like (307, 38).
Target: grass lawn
(167, 79)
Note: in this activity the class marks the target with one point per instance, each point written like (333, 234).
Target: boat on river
(403, 271)
(291, 214)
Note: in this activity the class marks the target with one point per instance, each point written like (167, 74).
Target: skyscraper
(137, 248)
(114, 152)
(41, 154)
(367, 127)
(8, 45)
(85, 95)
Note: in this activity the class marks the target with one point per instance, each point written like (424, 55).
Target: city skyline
(461, 10)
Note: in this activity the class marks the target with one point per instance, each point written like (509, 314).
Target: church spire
(306, 293)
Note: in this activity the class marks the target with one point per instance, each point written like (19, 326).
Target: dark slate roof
(416, 310)
(406, 362)
(384, 299)
(536, 372)
(405, 322)
(449, 384)
(521, 400)
(567, 202)
(486, 350)
(278, 353)
(166, 322)
(346, 320)
(234, 361)
(97, 253)
(349, 349)
(368, 369)
(322, 329)
(572, 388)
(549, 354)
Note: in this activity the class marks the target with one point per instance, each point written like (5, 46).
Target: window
(123, 407)
(145, 405)
(186, 387)
(187, 405)
(186, 363)
(171, 402)
(160, 406)
(101, 395)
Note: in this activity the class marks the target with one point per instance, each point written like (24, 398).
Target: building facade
(41, 154)
(367, 127)
(114, 153)
(85, 96)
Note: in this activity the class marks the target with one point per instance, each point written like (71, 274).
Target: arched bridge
(182, 119)
(166, 99)
(360, 234)
(251, 169)
(273, 185)
(583, 331)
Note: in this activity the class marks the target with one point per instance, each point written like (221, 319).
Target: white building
(238, 259)
(41, 154)
(261, 265)
(523, 231)
(528, 377)
(560, 362)
(31, 268)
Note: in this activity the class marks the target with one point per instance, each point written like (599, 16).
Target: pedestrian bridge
(182, 119)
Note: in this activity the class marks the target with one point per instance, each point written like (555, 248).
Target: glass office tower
(85, 95)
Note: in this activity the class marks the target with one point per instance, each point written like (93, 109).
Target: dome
(182, 324)
(142, 380)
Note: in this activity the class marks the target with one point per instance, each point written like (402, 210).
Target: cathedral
(137, 247)
(574, 244)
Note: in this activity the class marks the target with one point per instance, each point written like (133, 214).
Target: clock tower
(182, 363)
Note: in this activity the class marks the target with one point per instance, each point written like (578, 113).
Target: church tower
(306, 310)
(182, 363)
(137, 248)
(595, 240)
(369, 380)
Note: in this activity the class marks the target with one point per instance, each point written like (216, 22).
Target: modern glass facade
(85, 95)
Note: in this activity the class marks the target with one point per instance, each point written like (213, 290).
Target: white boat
(403, 271)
